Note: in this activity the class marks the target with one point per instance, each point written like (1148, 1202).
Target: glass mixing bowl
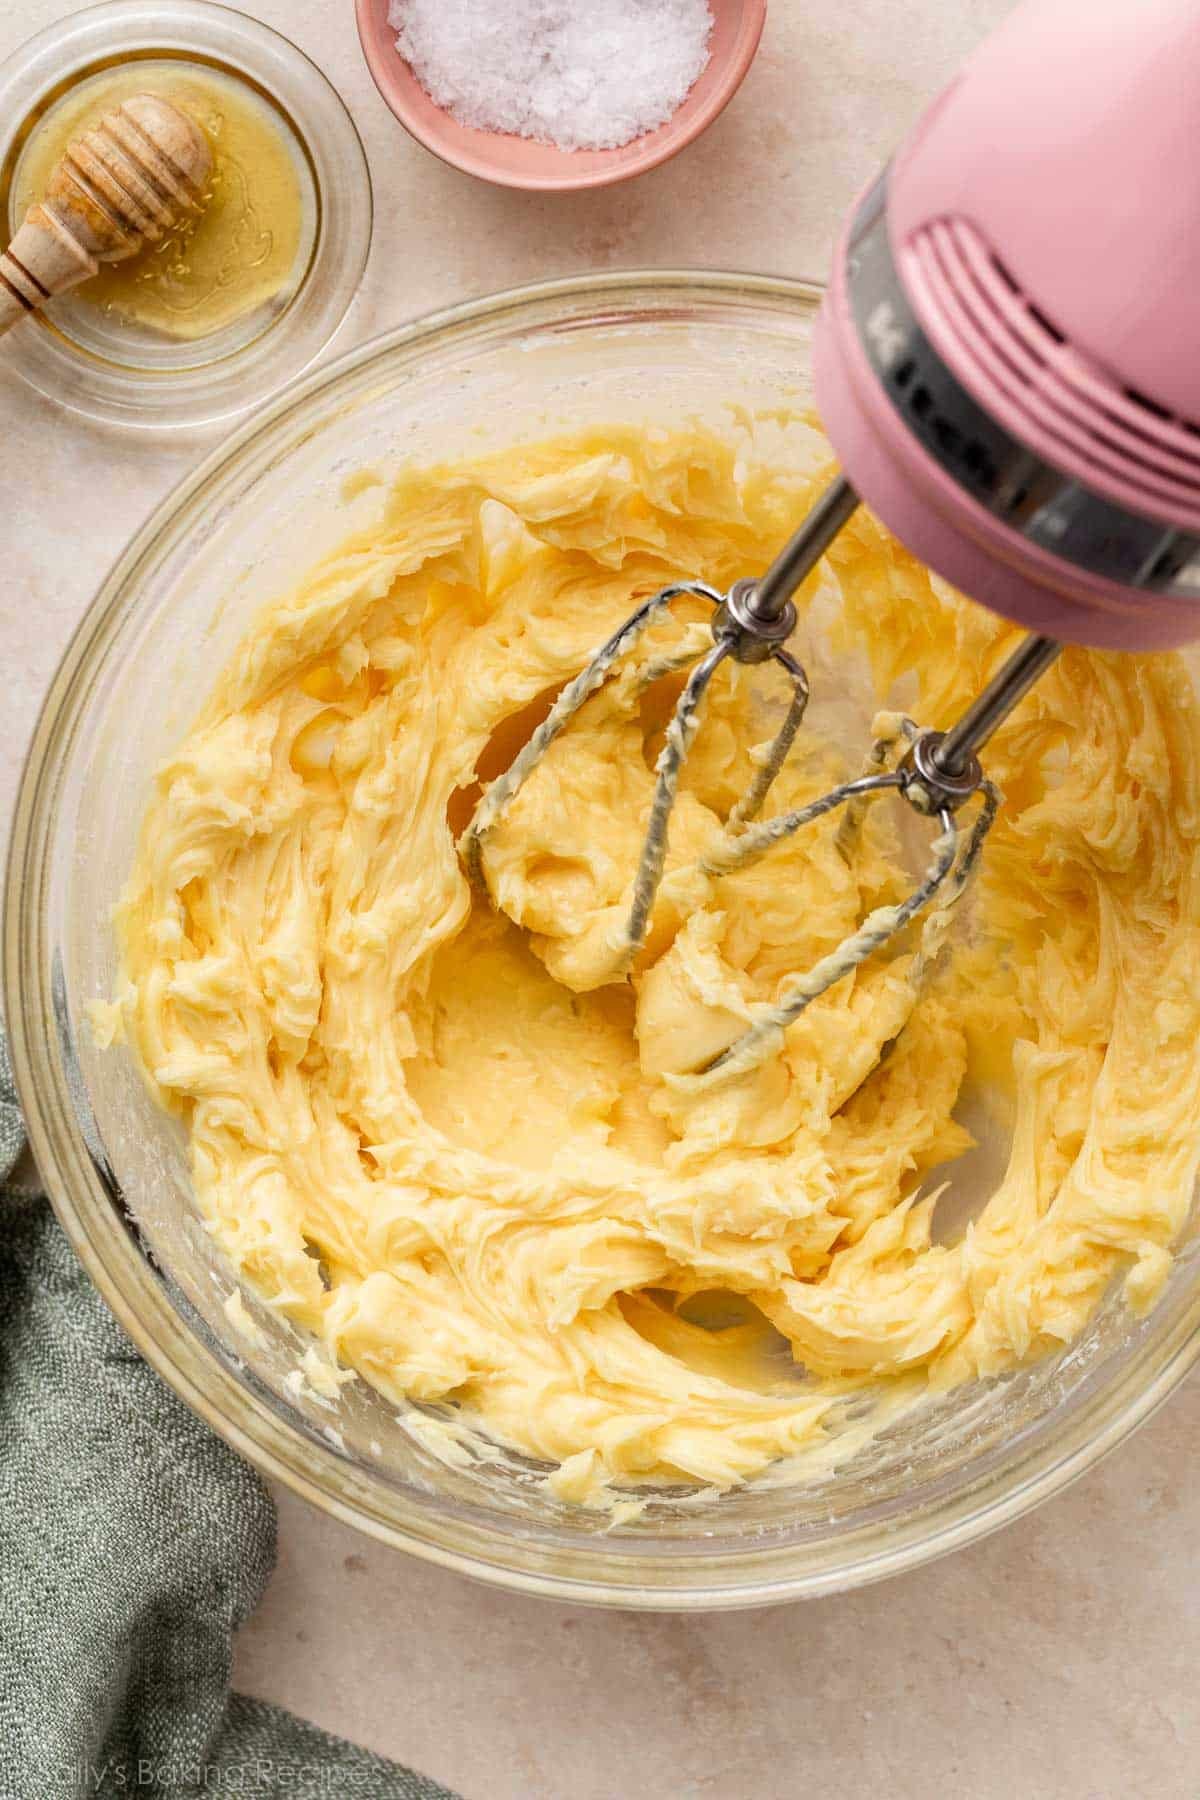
(656, 347)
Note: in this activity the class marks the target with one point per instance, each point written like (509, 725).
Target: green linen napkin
(133, 1543)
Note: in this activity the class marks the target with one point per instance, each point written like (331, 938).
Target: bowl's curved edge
(161, 1334)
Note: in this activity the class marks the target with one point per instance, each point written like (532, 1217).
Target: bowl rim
(558, 177)
(156, 1317)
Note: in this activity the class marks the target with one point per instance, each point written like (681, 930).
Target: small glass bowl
(654, 348)
(75, 353)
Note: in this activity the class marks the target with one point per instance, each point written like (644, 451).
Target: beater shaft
(970, 733)
(804, 550)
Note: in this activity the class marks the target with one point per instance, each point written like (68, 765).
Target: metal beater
(937, 771)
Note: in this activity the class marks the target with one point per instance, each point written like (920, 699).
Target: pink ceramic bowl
(519, 162)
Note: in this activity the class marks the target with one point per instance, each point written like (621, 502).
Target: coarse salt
(580, 74)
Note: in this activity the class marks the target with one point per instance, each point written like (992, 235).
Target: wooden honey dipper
(125, 183)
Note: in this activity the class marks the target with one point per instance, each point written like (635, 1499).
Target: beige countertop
(1055, 1660)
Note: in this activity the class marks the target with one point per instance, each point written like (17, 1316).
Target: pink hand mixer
(1008, 366)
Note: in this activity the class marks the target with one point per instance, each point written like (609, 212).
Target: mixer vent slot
(1039, 318)
(1152, 406)
(1042, 389)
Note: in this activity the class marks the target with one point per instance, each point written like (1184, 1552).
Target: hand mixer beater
(1008, 366)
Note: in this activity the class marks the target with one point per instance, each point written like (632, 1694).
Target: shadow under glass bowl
(645, 347)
